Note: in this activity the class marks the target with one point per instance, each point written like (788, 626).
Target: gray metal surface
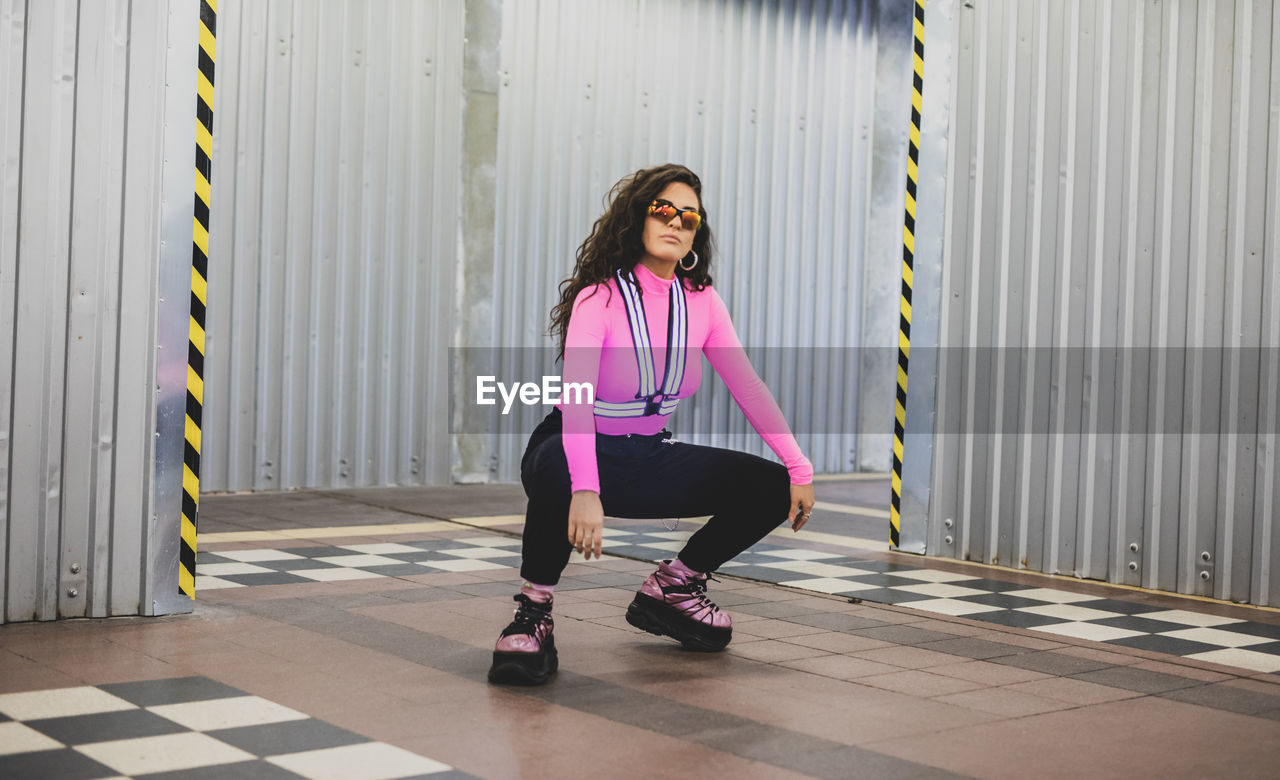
(177, 205)
(795, 116)
(333, 246)
(1107, 397)
(81, 150)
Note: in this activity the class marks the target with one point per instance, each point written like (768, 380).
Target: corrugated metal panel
(81, 139)
(1107, 391)
(790, 115)
(337, 144)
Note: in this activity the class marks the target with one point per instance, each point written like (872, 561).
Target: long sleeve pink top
(599, 351)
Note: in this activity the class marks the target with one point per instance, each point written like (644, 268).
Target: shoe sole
(648, 614)
(524, 668)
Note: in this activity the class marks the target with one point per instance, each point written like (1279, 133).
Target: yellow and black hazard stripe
(908, 254)
(199, 288)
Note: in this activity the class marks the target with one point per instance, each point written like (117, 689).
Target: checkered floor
(1179, 632)
(190, 727)
(1250, 645)
(237, 568)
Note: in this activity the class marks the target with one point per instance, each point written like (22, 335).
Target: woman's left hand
(801, 497)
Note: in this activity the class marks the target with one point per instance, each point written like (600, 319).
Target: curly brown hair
(616, 240)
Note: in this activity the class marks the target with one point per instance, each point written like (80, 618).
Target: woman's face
(668, 240)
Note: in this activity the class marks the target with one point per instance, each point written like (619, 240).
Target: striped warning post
(908, 253)
(199, 288)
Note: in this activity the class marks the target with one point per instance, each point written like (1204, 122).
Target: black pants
(651, 477)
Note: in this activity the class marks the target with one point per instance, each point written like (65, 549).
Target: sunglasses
(665, 210)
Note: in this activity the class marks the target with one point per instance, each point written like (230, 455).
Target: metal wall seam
(1204, 325)
(992, 532)
(133, 440)
(944, 484)
(1264, 578)
(1130, 508)
(1060, 549)
(14, 29)
(1028, 537)
(94, 269)
(1244, 302)
(1099, 372)
(39, 399)
(1236, 443)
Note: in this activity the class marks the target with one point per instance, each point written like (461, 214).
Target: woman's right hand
(586, 522)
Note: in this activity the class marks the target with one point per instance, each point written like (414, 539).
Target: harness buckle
(652, 405)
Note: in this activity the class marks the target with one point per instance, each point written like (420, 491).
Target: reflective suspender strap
(649, 400)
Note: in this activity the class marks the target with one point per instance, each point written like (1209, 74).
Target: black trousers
(651, 477)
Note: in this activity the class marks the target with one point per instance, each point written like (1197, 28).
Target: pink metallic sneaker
(676, 605)
(526, 650)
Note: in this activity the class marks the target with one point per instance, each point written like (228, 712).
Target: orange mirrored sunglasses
(665, 210)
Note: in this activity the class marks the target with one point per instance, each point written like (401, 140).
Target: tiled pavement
(183, 727)
(1115, 620)
(394, 654)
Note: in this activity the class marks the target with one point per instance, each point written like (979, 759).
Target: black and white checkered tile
(190, 727)
(237, 568)
(1230, 641)
(1181, 632)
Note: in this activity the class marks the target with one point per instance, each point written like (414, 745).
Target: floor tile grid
(1235, 642)
(239, 568)
(157, 728)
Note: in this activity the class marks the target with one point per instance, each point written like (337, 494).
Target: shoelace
(529, 615)
(697, 589)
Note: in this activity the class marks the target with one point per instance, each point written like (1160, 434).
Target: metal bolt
(75, 568)
(948, 522)
(72, 592)
(1133, 566)
(1133, 547)
(947, 539)
(1204, 575)
(1205, 556)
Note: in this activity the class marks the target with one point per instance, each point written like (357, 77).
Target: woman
(642, 284)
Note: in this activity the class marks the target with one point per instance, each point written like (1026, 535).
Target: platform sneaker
(525, 653)
(673, 602)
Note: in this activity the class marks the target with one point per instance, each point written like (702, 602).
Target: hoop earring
(692, 265)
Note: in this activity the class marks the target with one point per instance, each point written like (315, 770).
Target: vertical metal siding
(795, 117)
(337, 149)
(80, 139)
(1108, 374)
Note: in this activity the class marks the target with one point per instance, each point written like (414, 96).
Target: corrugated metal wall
(82, 138)
(337, 147)
(795, 117)
(1111, 294)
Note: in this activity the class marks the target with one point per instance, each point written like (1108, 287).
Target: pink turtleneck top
(599, 351)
